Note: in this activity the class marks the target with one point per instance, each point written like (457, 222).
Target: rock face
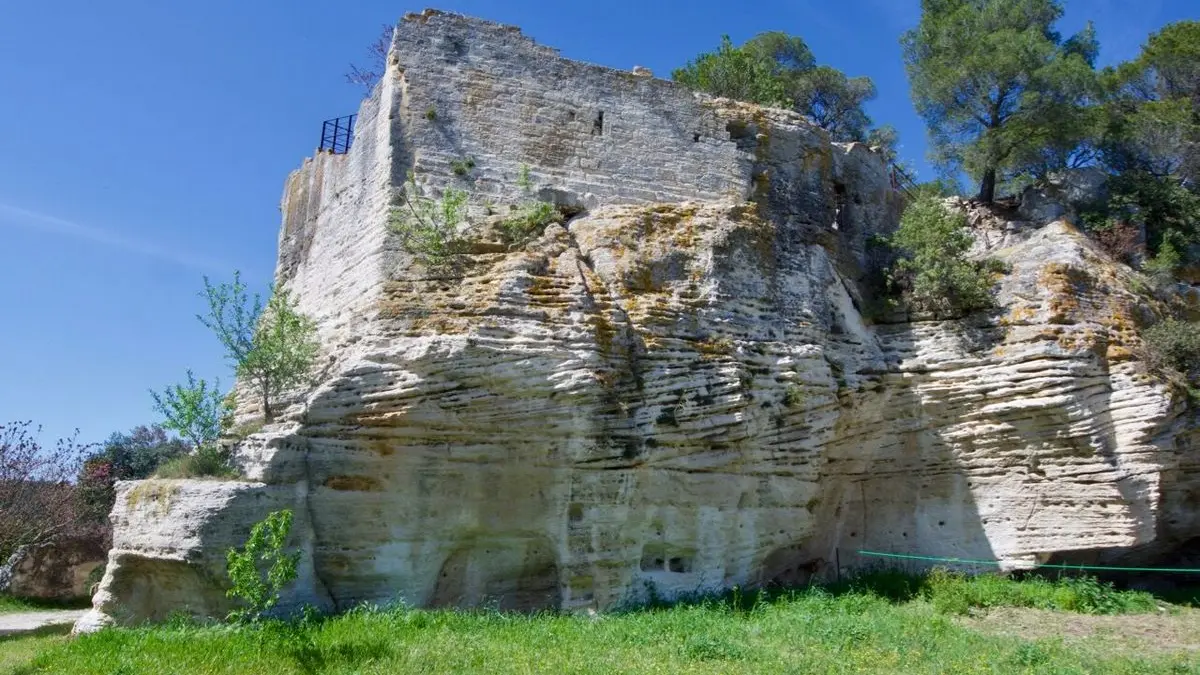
(63, 570)
(676, 389)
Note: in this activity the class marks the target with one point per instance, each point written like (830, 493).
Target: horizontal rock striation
(676, 389)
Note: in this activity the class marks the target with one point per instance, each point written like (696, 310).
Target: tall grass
(877, 624)
(955, 593)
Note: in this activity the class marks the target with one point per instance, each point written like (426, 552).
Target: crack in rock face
(674, 390)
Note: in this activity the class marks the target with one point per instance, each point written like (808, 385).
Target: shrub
(1162, 267)
(207, 461)
(528, 221)
(428, 228)
(794, 396)
(257, 591)
(1119, 239)
(462, 167)
(1167, 210)
(956, 593)
(523, 179)
(243, 431)
(932, 272)
(1173, 344)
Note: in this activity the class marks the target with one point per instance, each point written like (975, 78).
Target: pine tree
(997, 85)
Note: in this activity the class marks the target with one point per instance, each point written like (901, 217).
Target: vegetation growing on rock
(777, 69)
(258, 591)
(134, 455)
(932, 272)
(195, 410)
(429, 228)
(1174, 344)
(271, 347)
(528, 221)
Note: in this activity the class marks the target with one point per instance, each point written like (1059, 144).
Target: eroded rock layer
(674, 389)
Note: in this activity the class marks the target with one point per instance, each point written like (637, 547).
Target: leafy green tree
(1169, 65)
(932, 271)
(195, 410)
(1155, 137)
(139, 452)
(1150, 143)
(1153, 107)
(271, 347)
(736, 73)
(784, 54)
(996, 83)
(834, 101)
(257, 591)
(777, 69)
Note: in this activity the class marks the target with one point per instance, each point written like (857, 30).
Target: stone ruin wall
(584, 134)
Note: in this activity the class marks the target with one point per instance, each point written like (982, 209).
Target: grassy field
(885, 624)
(10, 605)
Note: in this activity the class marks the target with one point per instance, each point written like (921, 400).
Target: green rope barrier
(964, 561)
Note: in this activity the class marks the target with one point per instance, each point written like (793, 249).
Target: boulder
(63, 570)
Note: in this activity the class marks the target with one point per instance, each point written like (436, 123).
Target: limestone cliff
(675, 388)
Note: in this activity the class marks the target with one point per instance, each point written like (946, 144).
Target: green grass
(205, 462)
(11, 605)
(952, 593)
(888, 624)
(18, 651)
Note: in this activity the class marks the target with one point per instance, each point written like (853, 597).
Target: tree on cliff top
(997, 85)
(778, 69)
(1149, 141)
(271, 347)
(1153, 107)
(367, 76)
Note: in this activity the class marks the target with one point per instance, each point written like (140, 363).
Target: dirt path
(1177, 631)
(28, 622)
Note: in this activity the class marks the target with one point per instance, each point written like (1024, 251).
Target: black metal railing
(337, 134)
(902, 182)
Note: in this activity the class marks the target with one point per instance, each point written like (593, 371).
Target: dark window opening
(745, 135)
(598, 125)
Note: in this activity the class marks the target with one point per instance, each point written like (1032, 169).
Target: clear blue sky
(145, 144)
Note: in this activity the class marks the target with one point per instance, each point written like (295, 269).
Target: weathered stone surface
(169, 544)
(58, 571)
(1062, 194)
(676, 388)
